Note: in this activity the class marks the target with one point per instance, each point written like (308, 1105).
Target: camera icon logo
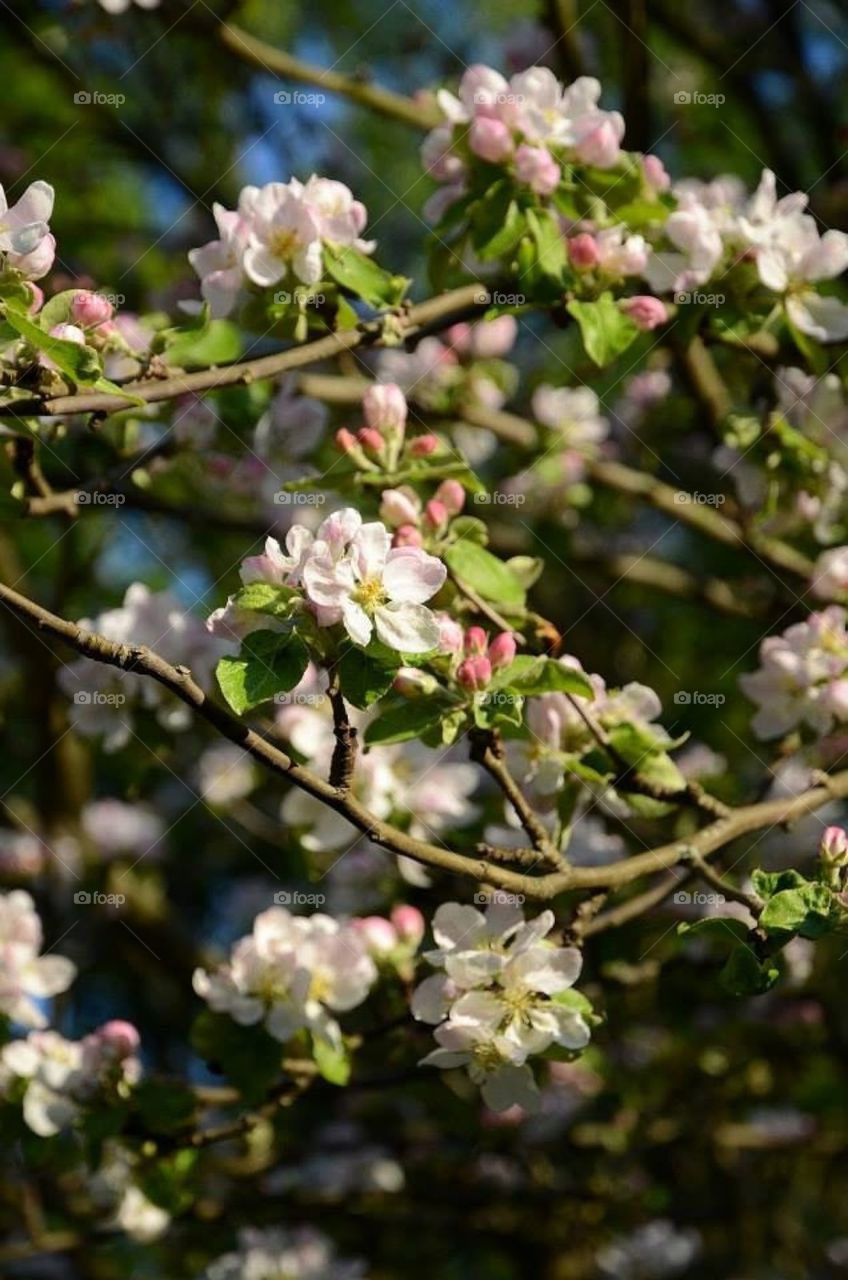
(682, 97)
(82, 98)
(683, 698)
(682, 898)
(82, 898)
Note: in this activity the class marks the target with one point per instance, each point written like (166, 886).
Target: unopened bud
(502, 650)
(476, 640)
(451, 495)
(407, 536)
(474, 673)
(423, 446)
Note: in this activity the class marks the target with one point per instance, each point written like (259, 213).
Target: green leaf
(405, 720)
(724, 928)
(355, 271)
(532, 676)
(498, 223)
(267, 663)
(265, 597)
(333, 1063)
(366, 677)
(745, 975)
(766, 883)
(809, 910)
(218, 342)
(551, 256)
(605, 330)
(486, 574)
(168, 1181)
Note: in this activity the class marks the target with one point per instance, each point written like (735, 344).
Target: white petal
(455, 923)
(431, 999)
(823, 318)
(412, 576)
(357, 623)
(510, 1087)
(263, 267)
(408, 628)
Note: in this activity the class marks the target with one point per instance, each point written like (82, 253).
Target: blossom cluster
(503, 995)
(277, 233)
(530, 124)
(348, 572)
(292, 973)
(102, 698)
(465, 365)
(27, 976)
(61, 1077)
(299, 1253)
(717, 225)
(802, 679)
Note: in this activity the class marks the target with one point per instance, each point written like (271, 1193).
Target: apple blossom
(802, 676)
(24, 226)
(375, 587)
(496, 998)
(583, 251)
(290, 973)
(830, 574)
(26, 976)
(299, 1253)
(90, 309)
(219, 263)
(573, 412)
(490, 139)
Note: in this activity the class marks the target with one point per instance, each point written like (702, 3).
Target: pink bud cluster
(412, 521)
(483, 658)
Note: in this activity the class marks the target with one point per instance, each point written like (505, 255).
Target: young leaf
(365, 677)
(605, 330)
(80, 364)
(404, 721)
(533, 676)
(356, 271)
(267, 663)
(333, 1063)
(265, 597)
(486, 574)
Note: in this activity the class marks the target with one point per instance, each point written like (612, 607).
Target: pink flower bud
(408, 536)
(655, 173)
(409, 923)
(120, 1037)
(90, 309)
(436, 514)
(834, 844)
(370, 439)
(474, 673)
(491, 339)
(346, 440)
(385, 408)
(537, 167)
(450, 634)
(476, 640)
(451, 495)
(37, 296)
(502, 650)
(458, 338)
(600, 146)
(583, 252)
(423, 446)
(490, 139)
(646, 311)
(378, 934)
(399, 507)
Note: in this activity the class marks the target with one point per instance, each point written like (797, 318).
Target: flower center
(282, 242)
(370, 594)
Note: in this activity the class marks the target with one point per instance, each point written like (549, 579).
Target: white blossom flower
(26, 976)
(284, 236)
(375, 587)
(299, 1253)
(803, 676)
(291, 973)
(830, 575)
(117, 828)
(572, 411)
(25, 225)
(651, 1252)
(225, 773)
(496, 998)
